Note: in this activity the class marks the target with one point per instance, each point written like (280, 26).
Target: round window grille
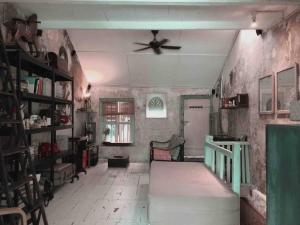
(156, 103)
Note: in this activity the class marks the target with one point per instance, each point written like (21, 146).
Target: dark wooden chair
(170, 150)
(14, 211)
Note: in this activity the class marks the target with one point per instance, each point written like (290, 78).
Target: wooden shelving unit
(238, 101)
(24, 62)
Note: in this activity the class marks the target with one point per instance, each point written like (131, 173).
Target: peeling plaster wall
(145, 129)
(52, 41)
(251, 58)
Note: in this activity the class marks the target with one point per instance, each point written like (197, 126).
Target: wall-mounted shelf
(20, 59)
(238, 101)
(38, 130)
(63, 101)
(35, 97)
(62, 76)
(47, 129)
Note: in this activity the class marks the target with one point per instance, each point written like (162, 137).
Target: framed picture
(156, 106)
(266, 95)
(287, 88)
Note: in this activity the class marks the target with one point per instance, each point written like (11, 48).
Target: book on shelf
(46, 87)
(31, 83)
(39, 88)
(38, 85)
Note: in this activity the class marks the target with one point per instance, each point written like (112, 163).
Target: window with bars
(117, 121)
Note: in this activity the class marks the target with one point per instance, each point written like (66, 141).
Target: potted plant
(106, 132)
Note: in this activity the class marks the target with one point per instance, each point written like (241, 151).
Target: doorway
(195, 123)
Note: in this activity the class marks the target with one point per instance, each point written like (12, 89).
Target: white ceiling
(107, 57)
(161, 17)
(103, 33)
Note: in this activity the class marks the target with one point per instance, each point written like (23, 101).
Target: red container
(84, 159)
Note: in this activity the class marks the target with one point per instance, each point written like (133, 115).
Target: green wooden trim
(247, 166)
(231, 142)
(238, 152)
(236, 168)
(207, 159)
(222, 165)
(215, 147)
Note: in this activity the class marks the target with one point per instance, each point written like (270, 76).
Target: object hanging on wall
(156, 106)
(21, 31)
(59, 61)
(295, 111)
(287, 88)
(87, 98)
(266, 95)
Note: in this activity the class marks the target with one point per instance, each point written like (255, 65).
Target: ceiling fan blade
(141, 49)
(163, 41)
(157, 51)
(139, 43)
(170, 47)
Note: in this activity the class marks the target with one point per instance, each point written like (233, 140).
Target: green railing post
(236, 168)
(248, 176)
(222, 164)
(208, 151)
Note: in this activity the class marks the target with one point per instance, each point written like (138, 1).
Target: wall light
(253, 23)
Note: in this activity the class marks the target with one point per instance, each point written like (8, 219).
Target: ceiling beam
(147, 25)
(158, 2)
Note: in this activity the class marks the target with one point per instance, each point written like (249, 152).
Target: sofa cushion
(159, 154)
(186, 193)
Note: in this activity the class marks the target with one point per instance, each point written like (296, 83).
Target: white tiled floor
(105, 196)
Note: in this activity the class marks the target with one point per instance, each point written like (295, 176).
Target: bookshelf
(32, 77)
(238, 101)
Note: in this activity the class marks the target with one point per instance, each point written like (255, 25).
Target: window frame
(103, 123)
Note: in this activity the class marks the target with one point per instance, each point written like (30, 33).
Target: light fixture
(254, 23)
(259, 32)
(87, 98)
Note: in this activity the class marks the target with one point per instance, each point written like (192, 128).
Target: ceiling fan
(156, 45)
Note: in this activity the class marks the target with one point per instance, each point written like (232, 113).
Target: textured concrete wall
(251, 58)
(146, 129)
(53, 40)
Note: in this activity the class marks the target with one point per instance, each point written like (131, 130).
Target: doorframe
(181, 114)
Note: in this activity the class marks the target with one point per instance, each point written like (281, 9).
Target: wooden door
(196, 126)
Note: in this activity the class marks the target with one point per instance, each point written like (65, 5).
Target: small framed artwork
(287, 88)
(156, 106)
(266, 95)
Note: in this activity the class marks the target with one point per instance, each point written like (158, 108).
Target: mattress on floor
(186, 193)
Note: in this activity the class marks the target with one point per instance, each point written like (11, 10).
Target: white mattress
(185, 193)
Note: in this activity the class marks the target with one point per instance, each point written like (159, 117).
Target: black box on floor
(118, 161)
(93, 159)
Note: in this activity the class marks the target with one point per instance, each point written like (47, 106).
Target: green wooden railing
(229, 161)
